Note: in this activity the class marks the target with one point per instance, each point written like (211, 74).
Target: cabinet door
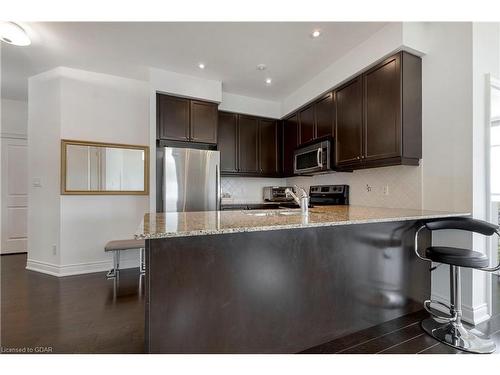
(268, 146)
(203, 122)
(324, 110)
(227, 141)
(349, 124)
(382, 107)
(172, 118)
(248, 157)
(290, 142)
(306, 123)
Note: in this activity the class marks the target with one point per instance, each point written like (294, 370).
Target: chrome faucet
(302, 199)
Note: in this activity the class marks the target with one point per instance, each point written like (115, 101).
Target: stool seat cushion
(457, 257)
(124, 245)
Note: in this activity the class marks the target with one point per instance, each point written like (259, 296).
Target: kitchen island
(276, 281)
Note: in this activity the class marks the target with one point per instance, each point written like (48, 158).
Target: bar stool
(449, 329)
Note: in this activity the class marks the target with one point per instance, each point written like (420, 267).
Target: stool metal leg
(453, 333)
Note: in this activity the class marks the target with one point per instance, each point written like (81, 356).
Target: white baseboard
(472, 315)
(79, 268)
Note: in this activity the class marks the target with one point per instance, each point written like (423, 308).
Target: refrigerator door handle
(217, 187)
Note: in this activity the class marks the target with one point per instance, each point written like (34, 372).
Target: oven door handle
(319, 157)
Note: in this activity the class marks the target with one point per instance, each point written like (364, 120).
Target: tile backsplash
(393, 187)
(397, 186)
(246, 189)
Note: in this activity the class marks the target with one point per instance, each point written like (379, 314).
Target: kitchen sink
(275, 212)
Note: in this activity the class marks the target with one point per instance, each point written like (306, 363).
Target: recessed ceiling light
(261, 67)
(316, 33)
(12, 33)
(268, 81)
(201, 66)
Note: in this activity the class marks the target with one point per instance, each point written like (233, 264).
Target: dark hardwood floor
(74, 314)
(78, 314)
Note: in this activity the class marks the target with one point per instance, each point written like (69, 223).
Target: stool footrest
(427, 307)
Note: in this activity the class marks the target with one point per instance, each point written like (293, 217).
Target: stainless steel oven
(313, 159)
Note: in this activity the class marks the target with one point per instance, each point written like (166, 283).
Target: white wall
(44, 129)
(486, 60)
(380, 44)
(85, 106)
(458, 55)
(250, 106)
(14, 118)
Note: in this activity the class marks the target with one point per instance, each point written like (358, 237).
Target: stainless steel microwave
(313, 159)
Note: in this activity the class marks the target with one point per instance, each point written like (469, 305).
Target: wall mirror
(104, 168)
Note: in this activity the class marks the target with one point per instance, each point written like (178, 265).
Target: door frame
(7, 140)
(492, 244)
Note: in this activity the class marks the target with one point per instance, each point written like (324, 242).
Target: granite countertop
(184, 224)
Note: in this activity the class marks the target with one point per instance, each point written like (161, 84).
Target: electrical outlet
(54, 249)
(386, 190)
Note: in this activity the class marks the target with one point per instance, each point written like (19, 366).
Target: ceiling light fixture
(12, 33)
(201, 66)
(316, 33)
(261, 67)
(268, 81)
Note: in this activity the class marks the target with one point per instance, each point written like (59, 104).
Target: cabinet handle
(358, 157)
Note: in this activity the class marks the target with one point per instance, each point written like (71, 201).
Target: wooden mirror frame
(64, 191)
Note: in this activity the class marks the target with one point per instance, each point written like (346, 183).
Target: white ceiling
(230, 51)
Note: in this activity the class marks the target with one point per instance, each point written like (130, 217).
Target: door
(14, 195)
(268, 146)
(306, 124)
(323, 110)
(248, 157)
(382, 107)
(203, 122)
(290, 143)
(191, 180)
(227, 141)
(172, 118)
(349, 123)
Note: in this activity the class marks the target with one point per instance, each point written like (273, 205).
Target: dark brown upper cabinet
(248, 150)
(382, 109)
(172, 115)
(181, 119)
(324, 116)
(268, 147)
(228, 141)
(307, 124)
(349, 123)
(290, 142)
(387, 130)
(203, 122)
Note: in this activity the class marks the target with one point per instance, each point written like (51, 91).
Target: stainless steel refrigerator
(187, 179)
